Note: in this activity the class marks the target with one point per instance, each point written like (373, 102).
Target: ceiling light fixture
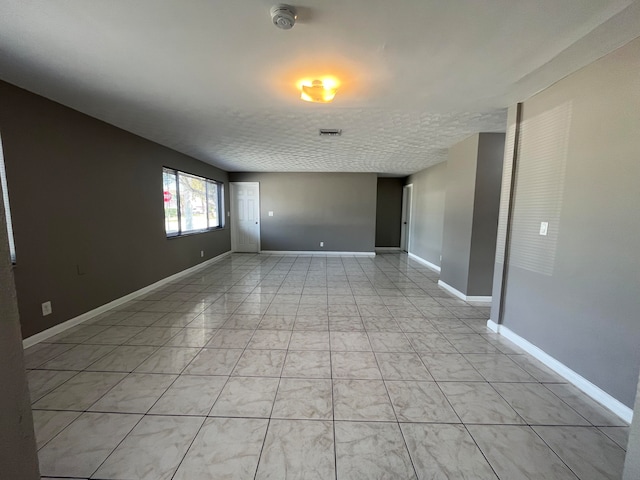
(319, 91)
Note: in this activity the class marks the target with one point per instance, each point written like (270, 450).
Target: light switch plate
(46, 309)
(544, 228)
(271, 214)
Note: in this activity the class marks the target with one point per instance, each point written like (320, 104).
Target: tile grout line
(333, 402)
(395, 413)
(554, 452)
(266, 432)
(144, 415)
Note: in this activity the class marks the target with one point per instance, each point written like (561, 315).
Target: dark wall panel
(87, 205)
(486, 207)
(389, 212)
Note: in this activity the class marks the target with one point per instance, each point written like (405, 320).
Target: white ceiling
(217, 80)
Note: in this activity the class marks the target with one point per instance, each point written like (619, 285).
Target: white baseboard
(471, 298)
(459, 294)
(322, 253)
(452, 290)
(595, 392)
(426, 263)
(61, 327)
(388, 249)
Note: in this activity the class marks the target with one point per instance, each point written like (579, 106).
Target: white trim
(471, 298)
(452, 290)
(493, 326)
(459, 294)
(388, 249)
(406, 217)
(318, 252)
(593, 391)
(61, 327)
(426, 263)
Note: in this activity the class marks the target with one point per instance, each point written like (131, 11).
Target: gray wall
(486, 207)
(336, 208)
(505, 193)
(474, 173)
(88, 196)
(429, 192)
(575, 292)
(458, 213)
(389, 212)
(17, 441)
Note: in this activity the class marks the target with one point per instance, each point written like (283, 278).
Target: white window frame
(220, 203)
(7, 207)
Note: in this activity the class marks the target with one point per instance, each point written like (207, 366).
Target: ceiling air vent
(330, 132)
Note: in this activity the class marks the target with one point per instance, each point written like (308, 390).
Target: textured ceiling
(373, 140)
(217, 80)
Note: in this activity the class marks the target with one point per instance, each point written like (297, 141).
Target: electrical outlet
(322, 244)
(544, 228)
(270, 214)
(46, 309)
(201, 253)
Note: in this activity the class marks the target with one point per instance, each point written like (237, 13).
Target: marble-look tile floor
(278, 367)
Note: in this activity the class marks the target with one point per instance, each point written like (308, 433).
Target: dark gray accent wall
(429, 192)
(474, 173)
(486, 206)
(338, 209)
(87, 205)
(389, 212)
(575, 293)
(18, 457)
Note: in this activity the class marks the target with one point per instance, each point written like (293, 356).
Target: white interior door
(405, 228)
(245, 216)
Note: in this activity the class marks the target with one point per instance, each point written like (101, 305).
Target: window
(191, 203)
(7, 209)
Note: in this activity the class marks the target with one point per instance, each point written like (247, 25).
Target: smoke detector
(283, 16)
